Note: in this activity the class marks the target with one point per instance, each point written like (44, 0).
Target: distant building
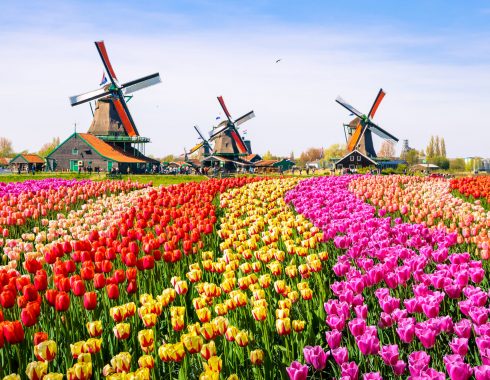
(27, 162)
(355, 160)
(84, 151)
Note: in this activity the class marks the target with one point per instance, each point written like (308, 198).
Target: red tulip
(40, 337)
(40, 282)
(87, 273)
(112, 291)
(119, 276)
(13, 332)
(62, 302)
(30, 292)
(90, 300)
(78, 288)
(99, 281)
(131, 274)
(7, 299)
(28, 318)
(51, 296)
(132, 287)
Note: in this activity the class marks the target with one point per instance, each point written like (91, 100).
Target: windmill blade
(346, 105)
(125, 116)
(105, 60)
(217, 131)
(239, 142)
(356, 136)
(199, 133)
(381, 132)
(244, 118)
(139, 84)
(223, 106)
(377, 101)
(195, 148)
(88, 96)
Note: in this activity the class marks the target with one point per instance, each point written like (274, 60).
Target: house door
(109, 165)
(73, 165)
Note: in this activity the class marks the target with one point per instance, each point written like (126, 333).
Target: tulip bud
(94, 328)
(36, 370)
(257, 357)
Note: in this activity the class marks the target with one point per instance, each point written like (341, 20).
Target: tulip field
(350, 277)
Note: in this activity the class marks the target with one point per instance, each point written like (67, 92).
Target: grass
(157, 180)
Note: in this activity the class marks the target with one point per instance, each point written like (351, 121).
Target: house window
(89, 151)
(358, 158)
(352, 158)
(74, 151)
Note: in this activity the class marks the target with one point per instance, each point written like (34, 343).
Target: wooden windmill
(203, 148)
(227, 139)
(359, 131)
(112, 121)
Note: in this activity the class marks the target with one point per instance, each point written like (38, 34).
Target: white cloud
(293, 99)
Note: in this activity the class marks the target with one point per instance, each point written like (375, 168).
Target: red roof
(33, 158)
(108, 151)
(265, 162)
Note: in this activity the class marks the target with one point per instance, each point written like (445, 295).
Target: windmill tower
(227, 139)
(359, 131)
(112, 122)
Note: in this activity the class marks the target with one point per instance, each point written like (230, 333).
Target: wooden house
(86, 152)
(355, 160)
(27, 162)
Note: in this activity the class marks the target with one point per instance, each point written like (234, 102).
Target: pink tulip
(297, 371)
(389, 354)
(340, 355)
(350, 370)
(333, 338)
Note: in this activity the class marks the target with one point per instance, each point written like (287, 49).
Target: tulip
(297, 371)
(315, 356)
(350, 370)
(13, 332)
(257, 357)
(389, 354)
(298, 325)
(122, 331)
(112, 291)
(80, 371)
(45, 351)
(145, 337)
(39, 337)
(214, 364)
(94, 328)
(192, 343)
(36, 370)
(90, 300)
(121, 362)
(208, 350)
(333, 338)
(283, 326)
(146, 361)
(241, 338)
(340, 355)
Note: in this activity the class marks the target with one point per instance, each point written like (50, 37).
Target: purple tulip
(315, 356)
(427, 336)
(399, 367)
(297, 371)
(357, 326)
(368, 344)
(459, 370)
(418, 362)
(335, 322)
(389, 354)
(350, 370)
(405, 331)
(340, 355)
(372, 376)
(482, 372)
(463, 328)
(361, 311)
(333, 338)
(479, 315)
(459, 346)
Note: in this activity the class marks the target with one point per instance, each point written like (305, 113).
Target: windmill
(359, 131)
(228, 141)
(112, 121)
(204, 147)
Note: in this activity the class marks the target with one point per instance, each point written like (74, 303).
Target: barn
(355, 160)
(86, 152)
(27, 162)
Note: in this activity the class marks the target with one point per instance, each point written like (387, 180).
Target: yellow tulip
(298, 325)
(146, 361)
(259, 313)
(214, 364)
(283, 326)
(122, 331)
(208, 350)
(192, 343)
(121, 362)
(257, 357)
(36, 370)
(241, 338)
(80, 371)
(77, 348)
(204, 314)
(146, 337)
(51, 376)
(209, 375)
(12, 376)
(94, 328)
(149, 320)
(46, 351)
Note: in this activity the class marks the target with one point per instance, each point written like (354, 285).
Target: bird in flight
(279, 60)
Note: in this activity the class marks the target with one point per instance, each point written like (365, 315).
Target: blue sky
(431, 57)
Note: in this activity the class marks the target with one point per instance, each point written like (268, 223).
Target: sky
(431, 57)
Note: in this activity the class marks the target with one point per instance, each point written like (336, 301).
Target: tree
(457, 164)
(268, 156)
(168, 158)
(443, 147)
(437, 147)
(442, 162)
(291, 156)
(430, 151)
(6, 149)
(334, 151)
(412, 157)
(47, 148)
(387, 149)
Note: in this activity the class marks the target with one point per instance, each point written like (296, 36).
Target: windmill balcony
(130, 139)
